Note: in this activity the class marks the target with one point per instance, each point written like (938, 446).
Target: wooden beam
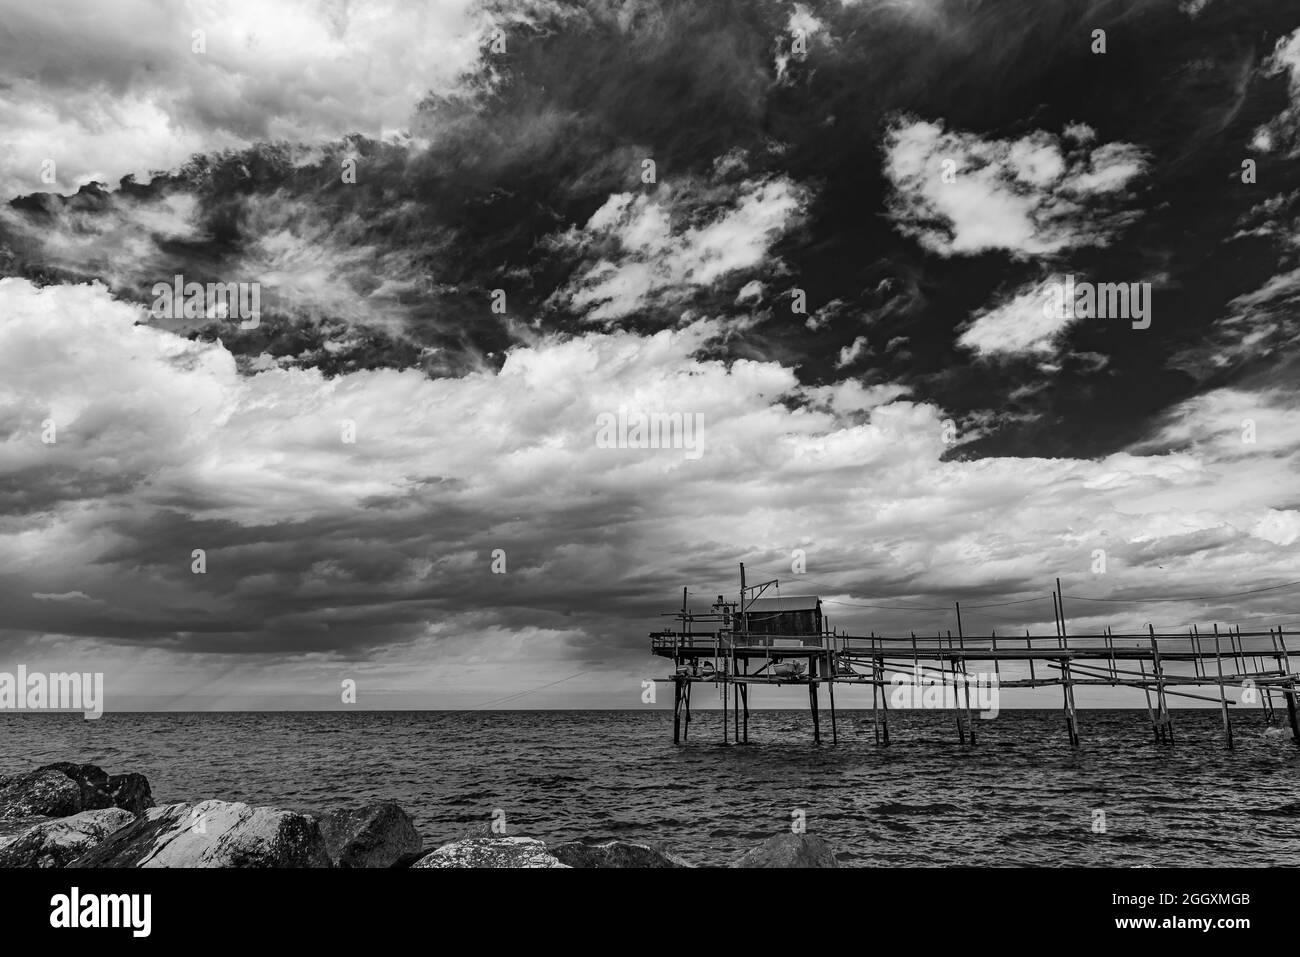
(677, 710)
(812, 703)
(830, 688)
(1223, 701)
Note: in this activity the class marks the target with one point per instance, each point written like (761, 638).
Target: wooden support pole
(961, 644)
(1289, 693)
(677, 711)
(812, 703)
(1272, 709)
(735, 713)
(970, 721)
(884, 703)
(830, 689)
(726, 687)
(1056, 620)
(875, 690)
(1166, 719)
(744, 690)
(1155, 725)
(1066, 694)
(1223, 700)
(1291, 713)
(1060, 602)
(956, 692)
(686, 723)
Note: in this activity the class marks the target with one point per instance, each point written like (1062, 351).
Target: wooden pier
(759, 640)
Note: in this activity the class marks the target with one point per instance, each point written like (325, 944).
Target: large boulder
(56, 842)
(614, 854)
(789, 850)
(12, 828)
(58, 790)
(130, 792)
(44, 792)
(491, 852)
(213, 834)
(375, 835)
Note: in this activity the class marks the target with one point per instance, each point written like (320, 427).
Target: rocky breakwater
(78, 815)
(52, 815)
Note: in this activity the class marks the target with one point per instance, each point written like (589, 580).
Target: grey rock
(375, 835)
(130, 792)
(46, 792)
(58, 841)
(491, 852)
(213, 834)
(12, 828)
(789, 850)
(64, 788)
(614, 854)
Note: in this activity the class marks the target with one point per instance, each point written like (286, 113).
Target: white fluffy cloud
(959, 194)
(1283, 131)
(1018, 326)
(377, 554)
(109, 89)
(647, 254)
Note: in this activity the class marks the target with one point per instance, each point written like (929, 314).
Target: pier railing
(1162, 665)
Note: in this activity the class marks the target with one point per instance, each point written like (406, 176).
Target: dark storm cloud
(398, 270)
(773, 175)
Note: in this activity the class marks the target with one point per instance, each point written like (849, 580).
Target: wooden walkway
(707, 649)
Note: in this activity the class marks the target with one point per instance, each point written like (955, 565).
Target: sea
(1019, 796)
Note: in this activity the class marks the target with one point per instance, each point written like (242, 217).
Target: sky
(825, 231)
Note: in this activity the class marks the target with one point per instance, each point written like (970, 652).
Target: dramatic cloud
(379, 552)
(959, 194)
(800, 277)
(1283, 131)
(1019, 326)
(656, 248)
(105, 91)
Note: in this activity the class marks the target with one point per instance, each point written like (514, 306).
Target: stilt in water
(1067, 692)
(1223, 700)
(875, 690)
(726, 687)
(1166, 718)
(970, 721)
(830, 689)
(1267, 696)
(1146, 690)
(686, 704)
(884, 704)
(744, 693)
(965, 675)
(812, 703)
(1289, 692)
(735, 714)
(956, 691)
(677, 711)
